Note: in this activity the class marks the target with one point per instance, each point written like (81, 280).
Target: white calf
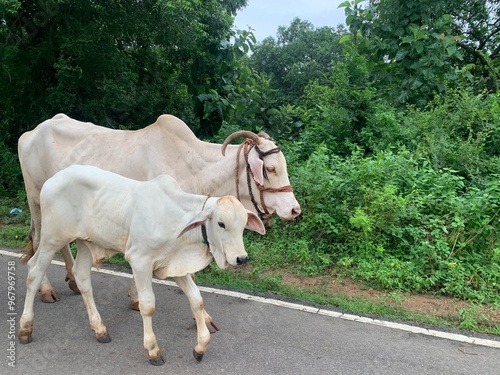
(152, 224)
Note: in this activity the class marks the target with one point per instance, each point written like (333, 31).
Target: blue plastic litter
(15, 211)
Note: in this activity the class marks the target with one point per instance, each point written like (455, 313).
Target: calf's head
(225, 219)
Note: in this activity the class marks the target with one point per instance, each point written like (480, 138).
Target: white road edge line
(308, 309)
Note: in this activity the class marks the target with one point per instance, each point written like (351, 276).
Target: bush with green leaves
(337, 111)
(396, 222)
(10, 173)
(459, 131)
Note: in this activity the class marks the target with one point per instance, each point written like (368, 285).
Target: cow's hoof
(157, 361)
(197, 356)
(25, 338)
(104, 339)
(72, 285)
(134, 305)
(50, 297)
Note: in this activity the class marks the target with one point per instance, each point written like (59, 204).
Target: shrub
(395, 221)
(10, 173)
(459, 131)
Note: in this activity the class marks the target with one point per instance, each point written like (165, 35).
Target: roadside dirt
(439, 307)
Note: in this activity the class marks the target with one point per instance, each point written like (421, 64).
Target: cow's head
(225, 218)
(268, 169)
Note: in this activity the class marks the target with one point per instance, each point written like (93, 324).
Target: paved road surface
(255, 338)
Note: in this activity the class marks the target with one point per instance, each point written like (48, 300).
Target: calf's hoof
(213, 327)
(197, 356)
(104, 339)
(49, 297)
(25, 337)
(72, 285)
(157, 361)
(134, 305)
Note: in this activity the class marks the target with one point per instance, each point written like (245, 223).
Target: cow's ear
(255, 224)
(195, 222)
(257, 167)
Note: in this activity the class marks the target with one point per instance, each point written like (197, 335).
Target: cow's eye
(271, 169)
(221, 224)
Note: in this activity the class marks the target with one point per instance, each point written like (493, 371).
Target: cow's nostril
(241, 260)
(296, 211)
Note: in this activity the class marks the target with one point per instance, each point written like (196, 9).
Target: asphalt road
(255, 338)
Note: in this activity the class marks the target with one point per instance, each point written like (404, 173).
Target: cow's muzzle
(241, 260)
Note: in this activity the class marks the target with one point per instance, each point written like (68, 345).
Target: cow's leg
(37, 266)
(82, 271)
(143, 279)
(68, 261)
(193, 294)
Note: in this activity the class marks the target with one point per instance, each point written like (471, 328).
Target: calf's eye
(271, 169)
(221, 224)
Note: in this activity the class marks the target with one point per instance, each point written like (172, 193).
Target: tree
(118, 63)
(478, 22)
(337, 111)
(410, 44)
(300, 54)
(419, 48)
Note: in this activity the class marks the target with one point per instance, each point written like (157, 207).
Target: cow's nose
(296, 211)
(241, 260)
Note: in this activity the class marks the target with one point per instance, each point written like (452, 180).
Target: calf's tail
(30, 251)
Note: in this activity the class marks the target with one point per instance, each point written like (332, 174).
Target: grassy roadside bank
(332, 290)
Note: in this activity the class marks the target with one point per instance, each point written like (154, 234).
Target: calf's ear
(255, 224)
(195, 222)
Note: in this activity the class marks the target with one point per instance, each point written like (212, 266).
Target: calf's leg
(68, 262)
(47, 292)
(134, 297)
(142, 271)
(192, 292)
(134, 305)
(37, 266)
(82, 271)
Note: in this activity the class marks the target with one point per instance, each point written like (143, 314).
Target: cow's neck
(219, 177)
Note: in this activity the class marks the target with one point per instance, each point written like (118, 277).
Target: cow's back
(62, 141)
(140, 154)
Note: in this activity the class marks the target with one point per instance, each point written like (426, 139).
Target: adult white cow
(256, 173)
(152, 224)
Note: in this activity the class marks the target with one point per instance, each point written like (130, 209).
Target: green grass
(14, 236)
(13, 228)
(272, 284)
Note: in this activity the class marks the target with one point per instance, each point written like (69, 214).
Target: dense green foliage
(418, 48)
(117, 63)
(420, 213)
(391, 128)
(301, 54)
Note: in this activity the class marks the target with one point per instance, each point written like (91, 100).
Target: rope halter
(247, 147)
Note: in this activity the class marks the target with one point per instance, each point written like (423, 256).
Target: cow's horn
(239, 134)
